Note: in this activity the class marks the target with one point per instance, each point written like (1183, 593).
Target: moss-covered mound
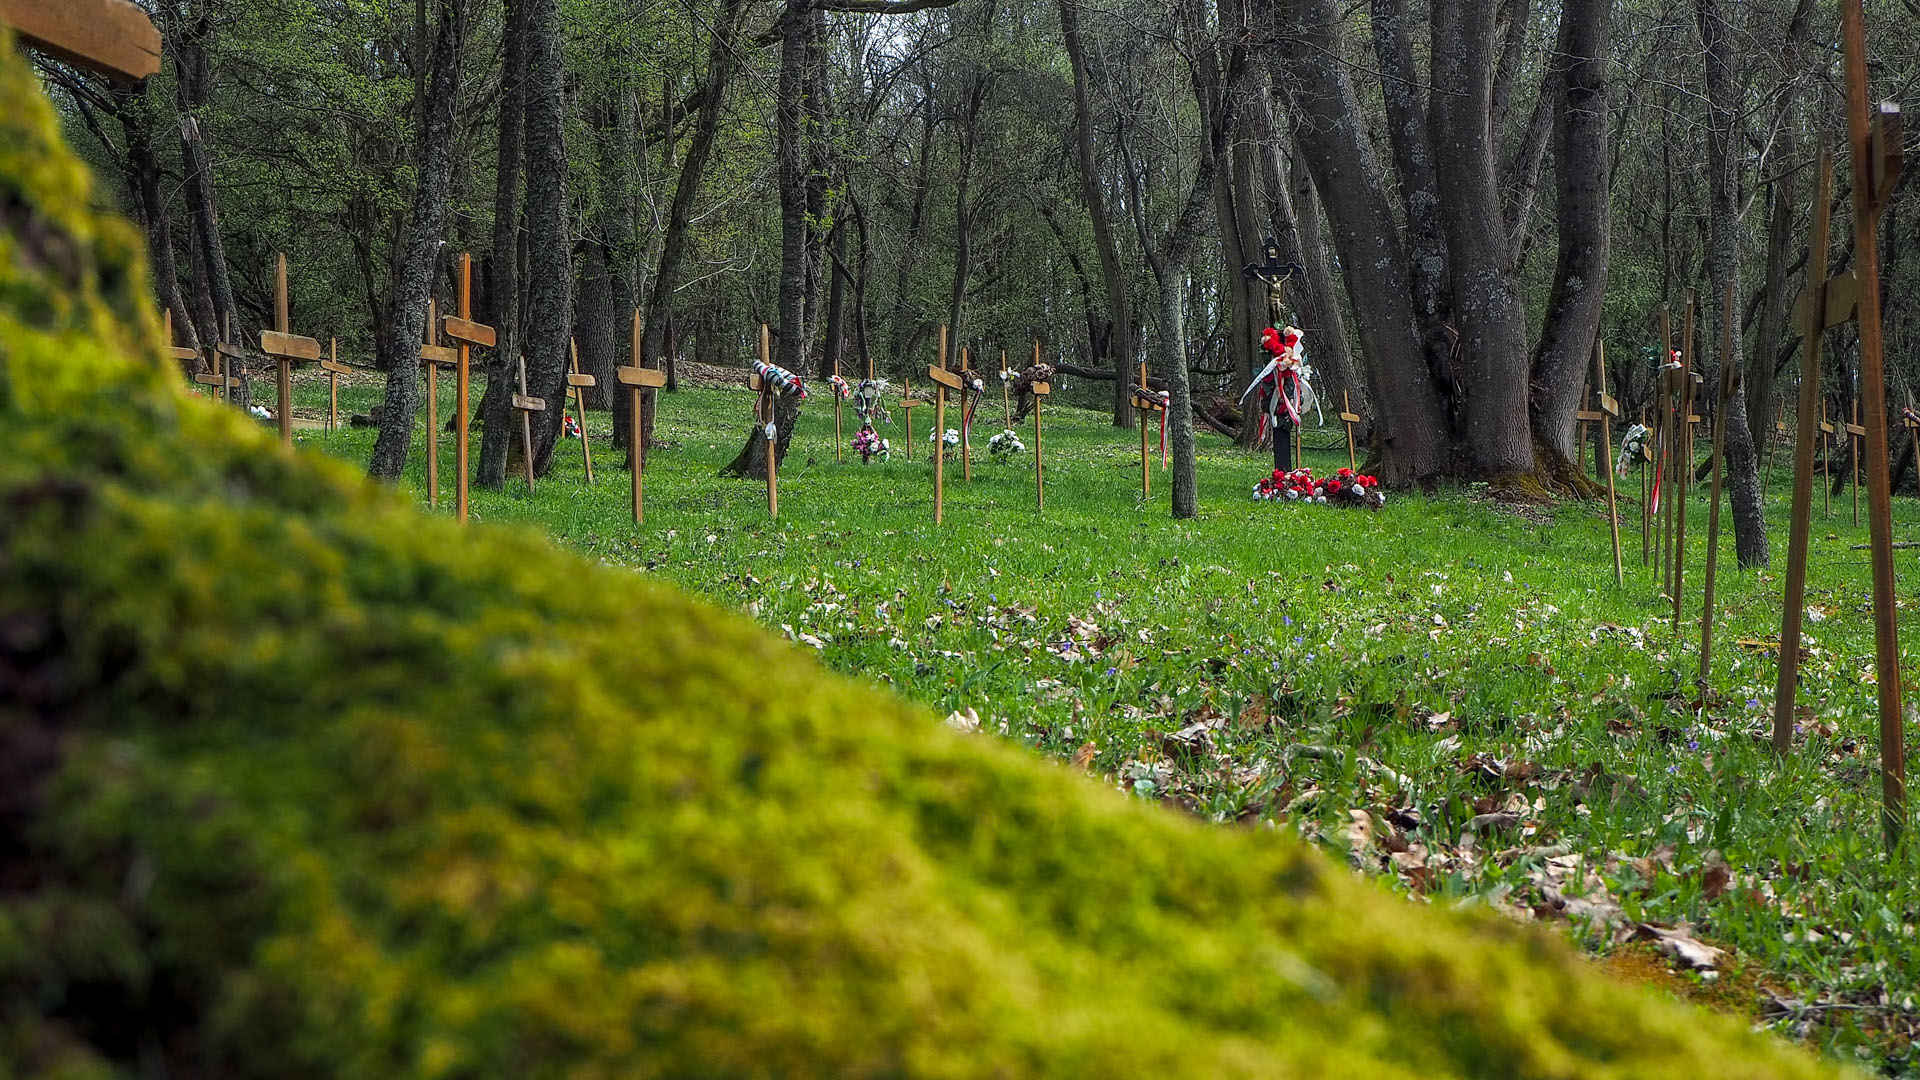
(296, 781)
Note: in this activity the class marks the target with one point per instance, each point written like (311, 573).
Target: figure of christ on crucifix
(1266, 390)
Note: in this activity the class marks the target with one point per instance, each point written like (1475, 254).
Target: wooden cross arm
(1857, 429)
(944, 377)
(1041, 389)
(1590, 415)
(1148, 404)
(1842, 301)
(529, 404)
(575, 379)
(444, 355)
(288, 346)
(467, 330)
(640, 378)
(181, 352)
(112, 37)
(1610, 405)
(1349, 418)
(336, 367)
(1827, 427)
(1883, 146)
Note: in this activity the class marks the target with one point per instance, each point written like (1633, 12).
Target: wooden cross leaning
(577, 383)
(943, 381)
(433, 357)
(1146, 403)
(640, 380)
(1604, 415)
(286, 349)
(1729, 381)
(468, 333)
(526, 405)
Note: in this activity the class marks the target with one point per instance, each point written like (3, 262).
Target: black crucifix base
(1283, 446)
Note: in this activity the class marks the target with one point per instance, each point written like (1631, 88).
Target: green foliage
(338, 789)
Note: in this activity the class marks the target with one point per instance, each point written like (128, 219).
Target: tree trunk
(1565, 357)
(134, 105)
(791, 157)
(192, 35)
(424, 242)
(1774, 300)
(550, 255)
(1120, 333)
(1413, 156)
(504, 262)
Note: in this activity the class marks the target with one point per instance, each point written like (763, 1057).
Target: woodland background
(1475, 192)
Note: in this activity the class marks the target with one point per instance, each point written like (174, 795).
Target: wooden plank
(181, 352)
(529, 404)
(1149, 404)
(291, 346)
(467, 330)
(209, 380)
(444, 355)
(112, 37)
(1883, 143)
(640, 376)
(574, 379)
(1591, 415)
(336, 367)
(755, 383)
(234, 351)
(1610, 405)
(1041, 389)
(945, 378)
(1349, 418)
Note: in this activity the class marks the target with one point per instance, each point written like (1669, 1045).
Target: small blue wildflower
(1113, 670)
(1288, 619)
(1297, 641)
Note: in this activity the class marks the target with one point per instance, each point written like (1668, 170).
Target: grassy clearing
(1450, 692)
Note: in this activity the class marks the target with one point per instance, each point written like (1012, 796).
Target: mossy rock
(297, 781)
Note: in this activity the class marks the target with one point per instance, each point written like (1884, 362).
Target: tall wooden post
(1040, 392)
(766, 415)
(1663, 452)
(334, 371)
(941, 379)
(1856, 434)
(967, 399)
(1727, 384)
(577, 384)
(1683, 429)
(285, 348)
(640, 380)
(836, 408)
(1874, 146)
(432, 355)
(1811, 315)
(1146, 481)
(468, 333)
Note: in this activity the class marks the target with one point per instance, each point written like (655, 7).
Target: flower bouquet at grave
(869, 401)
(950, 443)
(1344, 488)
(569, 427)
(1633, 447)
(869, 445)
(1004, 446)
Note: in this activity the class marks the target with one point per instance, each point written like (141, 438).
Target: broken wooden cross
(577, 384)
(286, 349)
(468, 333)
(640, 380)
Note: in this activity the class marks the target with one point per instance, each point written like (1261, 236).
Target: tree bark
(504, 261)
(1113, 276)
(550, 255)
(1413, 155)
(191, 32)
(424, 242)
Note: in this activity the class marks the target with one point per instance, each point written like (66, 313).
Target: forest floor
(1450, 693)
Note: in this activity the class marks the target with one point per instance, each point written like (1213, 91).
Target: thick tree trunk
(1774, 300)
(134, 105)
(504, 261)
(191, 38)
(1580, 176)
(791, 157)
(424, 242)
(1318, 300)
(549, 255)
(1486, 297)
(1113, 276)
(1413, 150)
(1723, 259)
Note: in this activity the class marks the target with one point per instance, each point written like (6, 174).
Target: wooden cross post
(577, 384)
(907, 405)
(1349, 418)
(1813, 313)
(763, 413)
(1646, 491)
(639, 380)
(334, 369)
(1040, 391)
(1667, 385)
(285, 348)
(1006, 392)
(1146, 405)
(1827, 432)
(837, 436)
(1683, 457)
(966, 425)
(468, 333)
(433, 357)
(225, 356)
(526, 406)
(1874, 147)
(943, 381)
(1856, 438)
(182, 352)
(1609, 408)
(1728, 383)
(1580, 435)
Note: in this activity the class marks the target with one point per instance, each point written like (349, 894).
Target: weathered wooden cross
(1349, 418)
(577, 383)
(943, 381)
(967, 400)
(1729, 381)
(286, 349)
(526, 405)
(640, 380)
(1856, 442)
(1006, 392)
(907, 405)
(1681, 461)
(1276, 273)
(1146, 403)
(433, 357)
(1609, 408)
(181, 352)
(468, 333)
(334, 369)
(1040, 392)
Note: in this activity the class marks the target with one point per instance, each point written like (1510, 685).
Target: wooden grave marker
(468, 333)
(907, 405)
(1910, 420)
(1667, 386)
(1609, 408)
(334, 369)
(943, 381)
(967, 400)
(640, 380)
(838, 436)
(1856, 438)
(286, 349)
(1146, 403)
(1729, 381)
(1006, 392)
(180, 352)
(763, 413)
(1874, 141)
(577, 384)
(1348, 418)
(526, 405)
(1827, 432)
(433, 357)
(1040, 392)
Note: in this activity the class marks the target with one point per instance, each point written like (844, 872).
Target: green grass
(1285, 667)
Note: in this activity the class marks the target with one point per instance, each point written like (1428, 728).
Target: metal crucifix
(1276, 272)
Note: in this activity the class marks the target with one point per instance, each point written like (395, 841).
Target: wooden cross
(943, 381)
(966, 417)
(433, 357)
(1147, 403)
(468, 333)
(1040, 392)
(1662, 446)
(1609, 408)
(1728, 381)
(1006, 392)
(225, 357)
(1827, 432)
(907, 405)
(180, 352)
(837, 383)
(334, 369)
(577, 384)
(286, 349)
(526, 405)
(1580, 428)
(763, 413)
(1683, 457)
(112, 37)
(640, 380)
(1349, 418)
(1856, 442)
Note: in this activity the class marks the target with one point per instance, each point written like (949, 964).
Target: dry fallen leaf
(1083, 757)
(1680, 944)
(1359, 832)
(964, 721)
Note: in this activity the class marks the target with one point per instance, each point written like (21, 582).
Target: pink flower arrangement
(1344, 488)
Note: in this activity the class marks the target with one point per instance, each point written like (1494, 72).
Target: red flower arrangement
(1344, 488)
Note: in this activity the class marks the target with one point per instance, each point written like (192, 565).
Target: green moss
(298, 781)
